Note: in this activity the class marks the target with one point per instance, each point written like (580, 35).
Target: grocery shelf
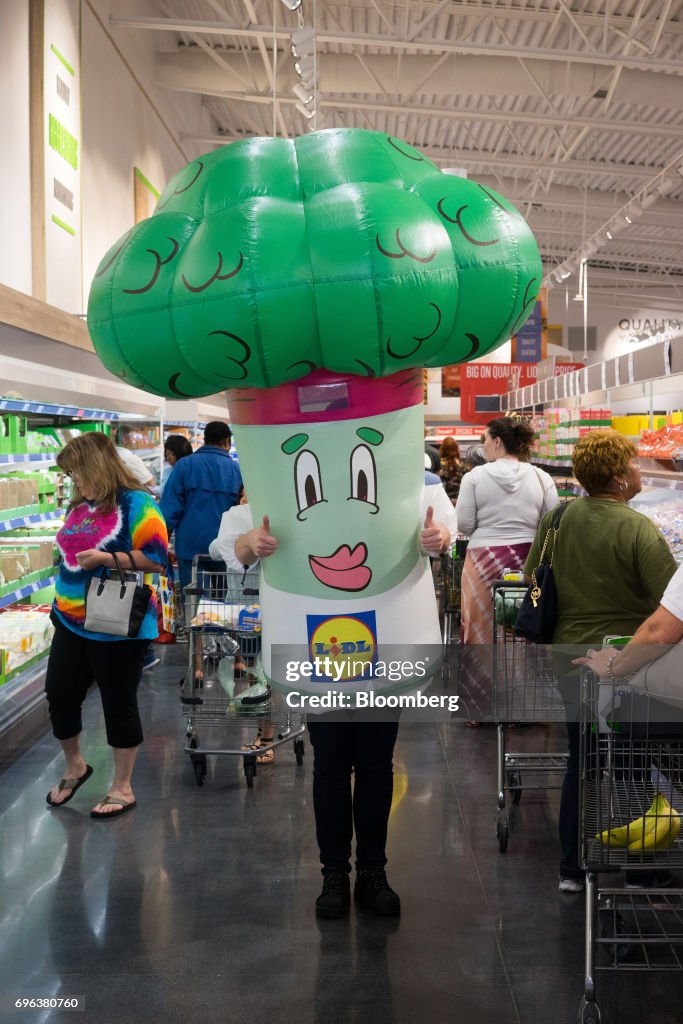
(27, 517)
(27, 669)
(51, 409)
(662, 478)
(32, 583)
(42, 458)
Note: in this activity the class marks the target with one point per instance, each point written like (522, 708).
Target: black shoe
(372, 892)
(335, 898)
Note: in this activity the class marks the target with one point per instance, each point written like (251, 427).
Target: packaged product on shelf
(25, 634)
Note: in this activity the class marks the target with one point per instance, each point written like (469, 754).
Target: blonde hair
(93, 457)
(599, 457)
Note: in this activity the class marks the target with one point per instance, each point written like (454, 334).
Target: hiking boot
(335, 897)
(373, 893)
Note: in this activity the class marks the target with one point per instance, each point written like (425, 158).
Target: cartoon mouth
(344, 569)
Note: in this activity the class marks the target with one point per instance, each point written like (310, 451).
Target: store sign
(62, 126)
(482, 383)
(450, 381)
(439, 433)
(635, 330)
(528, 344)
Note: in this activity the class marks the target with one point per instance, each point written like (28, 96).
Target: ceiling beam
(470, 158)
(359, 39)
(639, 128)
(516, 12)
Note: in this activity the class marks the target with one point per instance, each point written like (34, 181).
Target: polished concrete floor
(198, 905)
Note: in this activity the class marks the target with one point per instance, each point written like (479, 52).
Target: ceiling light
(663, 186)
(635, 209)
(609, 234)
(303, 41)
(627, 219)
(305, 66)
(308, 114)
(302, 93)
(292, 5)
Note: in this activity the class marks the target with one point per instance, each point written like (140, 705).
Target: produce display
(667, 515)
(657, 829)
(666, 443)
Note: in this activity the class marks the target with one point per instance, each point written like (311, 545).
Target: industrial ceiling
(573, 109)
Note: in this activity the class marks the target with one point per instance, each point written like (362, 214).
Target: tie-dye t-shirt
(134, 524)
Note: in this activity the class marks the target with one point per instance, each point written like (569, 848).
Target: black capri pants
(116, 665)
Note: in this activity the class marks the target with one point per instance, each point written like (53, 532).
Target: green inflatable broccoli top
(343, 249)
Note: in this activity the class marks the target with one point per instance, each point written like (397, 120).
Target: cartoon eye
(363, 475)
(309, 488)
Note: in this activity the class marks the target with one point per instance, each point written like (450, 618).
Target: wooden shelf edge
(29, 314)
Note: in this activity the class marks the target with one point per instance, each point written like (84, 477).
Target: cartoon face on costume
(343, 501)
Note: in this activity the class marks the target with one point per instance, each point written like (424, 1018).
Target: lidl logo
(343, 648)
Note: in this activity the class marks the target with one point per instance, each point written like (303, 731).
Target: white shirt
(135, 464)
(503, 502)
(236, 521)
(672, 598)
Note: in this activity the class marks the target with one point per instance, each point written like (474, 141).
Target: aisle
(198, 906)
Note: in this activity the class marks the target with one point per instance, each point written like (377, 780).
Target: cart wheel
(515, 787)
(299, 751)
(588, 1012)
(502, 833)
(249, 772)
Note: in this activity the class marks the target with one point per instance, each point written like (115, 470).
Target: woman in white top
(499, 508)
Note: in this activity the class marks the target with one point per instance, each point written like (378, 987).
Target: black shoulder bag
(537, 613)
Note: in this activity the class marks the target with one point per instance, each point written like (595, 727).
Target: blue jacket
(199, 490)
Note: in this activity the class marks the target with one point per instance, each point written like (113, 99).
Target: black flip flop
(72, 784)
(124, 805)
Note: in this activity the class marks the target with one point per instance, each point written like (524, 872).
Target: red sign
(440, 432)
(480, 382)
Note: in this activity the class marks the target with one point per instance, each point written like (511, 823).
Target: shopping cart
(524, 692)
(450, 591)
(631, 775)
(222, 621)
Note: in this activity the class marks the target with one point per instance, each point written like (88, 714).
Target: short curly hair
(599, 457)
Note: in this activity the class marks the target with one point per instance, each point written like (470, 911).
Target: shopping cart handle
(191, 700)
(250, 592)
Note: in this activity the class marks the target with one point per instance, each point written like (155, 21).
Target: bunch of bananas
(656, 830)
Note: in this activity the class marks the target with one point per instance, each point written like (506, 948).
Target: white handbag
(116, 602)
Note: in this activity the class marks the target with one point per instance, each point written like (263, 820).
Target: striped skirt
(483, 566)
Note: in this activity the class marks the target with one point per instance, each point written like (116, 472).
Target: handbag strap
(540, 484)
(553, 530)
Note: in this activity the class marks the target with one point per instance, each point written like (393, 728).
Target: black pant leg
(67, 680)
(373, 790)
(569, 808)
(332, 764)
(117, 667)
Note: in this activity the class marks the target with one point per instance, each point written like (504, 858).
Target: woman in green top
(611, 566)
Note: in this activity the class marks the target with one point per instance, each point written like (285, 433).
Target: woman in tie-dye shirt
(110, 513)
